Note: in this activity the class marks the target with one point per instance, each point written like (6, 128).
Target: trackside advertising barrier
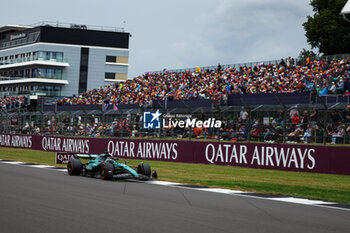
(303, 158)
(63, 158)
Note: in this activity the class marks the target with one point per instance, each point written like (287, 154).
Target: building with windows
(54, 59)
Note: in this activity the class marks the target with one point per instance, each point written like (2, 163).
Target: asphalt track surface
(41, 200)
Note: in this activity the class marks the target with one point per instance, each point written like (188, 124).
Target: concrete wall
(98, 66)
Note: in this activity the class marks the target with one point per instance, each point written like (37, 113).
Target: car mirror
(154, 174)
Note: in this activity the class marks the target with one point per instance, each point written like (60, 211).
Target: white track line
(166, 183)
(301, 201)
(12, 162)
(41, 166)
(218, 190)
(60, 170)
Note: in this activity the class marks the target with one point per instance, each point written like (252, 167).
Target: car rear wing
(85, 156)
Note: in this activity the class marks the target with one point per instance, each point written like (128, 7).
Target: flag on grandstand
(324, 91)
(309, 86)
(198, 69)
(115, 107)
(346, 8)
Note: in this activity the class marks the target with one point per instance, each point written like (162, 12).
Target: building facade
(61, 60)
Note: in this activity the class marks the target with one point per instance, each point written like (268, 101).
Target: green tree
(327, 30)
(306, 53)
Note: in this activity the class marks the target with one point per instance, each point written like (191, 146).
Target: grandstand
(285, 101)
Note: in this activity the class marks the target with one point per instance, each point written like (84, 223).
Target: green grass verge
(309, 185)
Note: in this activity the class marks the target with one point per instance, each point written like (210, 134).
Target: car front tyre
(144, 169)
(106, 171)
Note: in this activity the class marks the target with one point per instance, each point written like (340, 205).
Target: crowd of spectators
(297, 126)
(11, 102)
(319, 76)
(76, 126)
(324, 77)
(294, 126)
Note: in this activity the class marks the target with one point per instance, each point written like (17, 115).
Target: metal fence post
(284, 118)
(8, 122)
(325, 128)
(42, 115)
(326, 121)
(248, 128)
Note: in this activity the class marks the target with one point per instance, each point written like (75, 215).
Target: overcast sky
(182, 33)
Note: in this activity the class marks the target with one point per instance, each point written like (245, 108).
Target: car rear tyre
(106, 171)
(74, 167)
(144, 169)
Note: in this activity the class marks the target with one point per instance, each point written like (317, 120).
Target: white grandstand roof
(346, 8)
(13, 27)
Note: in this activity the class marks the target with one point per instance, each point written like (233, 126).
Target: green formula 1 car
(106, 167)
